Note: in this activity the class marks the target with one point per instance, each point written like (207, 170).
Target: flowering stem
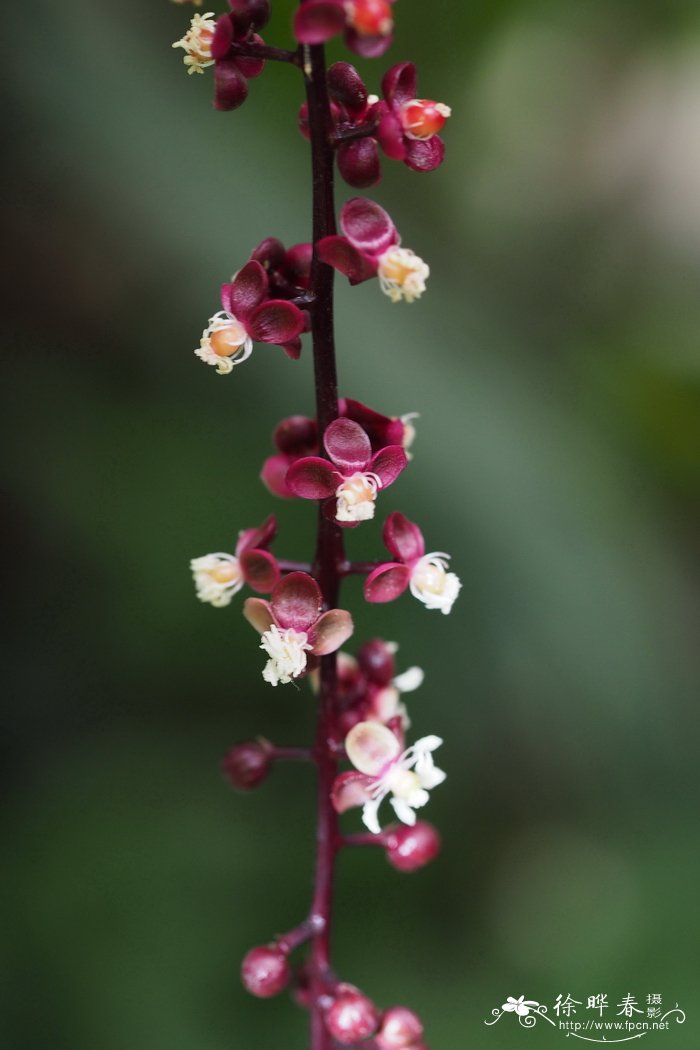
(293, 566)
(357, 568)
(362, 131)
(363, 839)
(290, 754)
(270, 54)
(298, 936)
(329, 542)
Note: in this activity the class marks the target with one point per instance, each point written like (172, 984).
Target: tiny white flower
(408, 778)
(224, 343)
(287, 651)
(520, 1006)
(402, 274)
(356, 497)
(196, 43)
(217, 577)
(432, 584)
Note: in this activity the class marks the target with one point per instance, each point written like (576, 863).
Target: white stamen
(196, 43)
(408, 779)
(432, 584)
(356, 497)
(287, 651)
(402, 274)
(217, 577)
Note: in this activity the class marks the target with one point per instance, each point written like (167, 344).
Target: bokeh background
(554, 362)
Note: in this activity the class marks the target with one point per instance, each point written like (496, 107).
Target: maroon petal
(340, 254)
(358, 163)
(425, 154)
(388, 463)
(318, 20)
(247, 13)
(381, 430)
(351, 790)
(230, 86)
(367, 226)
(260, 570)
(274, 476)
(223, 38)
(346, 86)
(391, 136)
(296, 601)
(261, 537)
(296, 435)
(259, 613)
(367, 46)
(347, 445)
(399, 84)
(299, 263)
(292, 349)
(252, 67)
(313, 478)
(269, 253)
(246, 291)
(330, 631)
(386, 582)
(403, 538)
(276, 321)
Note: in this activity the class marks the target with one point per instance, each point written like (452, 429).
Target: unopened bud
(246, 765)
(352, 1016)
(370, 17)
(265, 971)
(400, 1029)
(411, 848)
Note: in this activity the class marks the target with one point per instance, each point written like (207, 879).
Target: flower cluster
(344, 458)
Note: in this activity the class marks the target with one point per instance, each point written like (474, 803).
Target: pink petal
(403, 538)
(269, 253)
(425, 154)
(252, 67)
(246, 291)
(388, 463)
(276, 321)
(259, 613)
(299, 262)
(274, 475)
(230, 86)
(391, 136)
(370, 746)
(342, 256)
(386, 583)
(399, 84)
(296, 601)
(381, 430)
(292, 349)
(296, 435)
(367, 46)
(260, 570)
(330, 631)
(313, 478)
(347, 445)
(318, 20)
(223, 38)
(345, 85)
(367, 226)
(260, 537)
(351, 790)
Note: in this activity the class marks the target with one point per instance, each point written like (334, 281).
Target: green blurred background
(554, 361)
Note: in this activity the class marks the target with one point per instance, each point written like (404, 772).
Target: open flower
(370, 247)
(197, 41)
(366, 25)
(384, 768)
(249, 315)
(425, 574)
(407, 127)
(352, 478)
(520, 1006)
(295, 632)
(218, 577)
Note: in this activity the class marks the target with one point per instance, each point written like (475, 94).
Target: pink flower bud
(265, 971)
(401, 1028)
(352, 1016)
(246, 765)
(376, 658)
(411, 848)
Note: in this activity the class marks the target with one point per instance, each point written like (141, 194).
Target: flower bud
(347, 87)
(376, 658)
(250, 13)
(411, 848)
(358, 162)
(352, 1016)
(400, 1029)
(246, 765)
(265, 971)
(370, 17)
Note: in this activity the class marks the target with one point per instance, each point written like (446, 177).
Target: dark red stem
(360, 131)
(362, 839)
(329, 542)
(270, 54)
